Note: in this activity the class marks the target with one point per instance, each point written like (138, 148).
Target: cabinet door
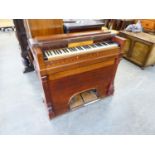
(127, 46)
(140, 51)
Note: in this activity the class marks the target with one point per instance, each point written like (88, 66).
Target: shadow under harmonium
(70, 64)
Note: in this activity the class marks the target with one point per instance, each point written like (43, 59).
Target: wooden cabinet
(139, 48)
(148, 25)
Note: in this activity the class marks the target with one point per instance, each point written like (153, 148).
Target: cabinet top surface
(141, 35)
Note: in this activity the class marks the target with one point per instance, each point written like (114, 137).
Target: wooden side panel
(47, 99)
(120, 40)
(127, 46)
(43, 27)
(151, 59)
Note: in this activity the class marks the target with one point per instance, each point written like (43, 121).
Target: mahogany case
(64, 78)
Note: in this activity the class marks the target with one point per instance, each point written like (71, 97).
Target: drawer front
(148, 25)
(140, 51)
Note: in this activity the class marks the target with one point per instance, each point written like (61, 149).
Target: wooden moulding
(47, 99)
(80, 70)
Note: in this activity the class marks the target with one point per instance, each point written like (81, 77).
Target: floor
(131, 110)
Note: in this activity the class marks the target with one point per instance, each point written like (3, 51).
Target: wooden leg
(142, 68)
(110, 90)
(51, 114)
(100, 92)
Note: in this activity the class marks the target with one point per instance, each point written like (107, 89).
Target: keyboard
(67, 52)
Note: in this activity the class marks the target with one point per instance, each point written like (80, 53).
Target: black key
(110, 42)
(103, 44)
(85, 47)
(58, 51)
(79, 48)
(64, 50)
(54, 52)
(71, 49)
(89, 46)
(74, 49)
(98, 44)
(106, 43)
(49, 53)
(67, 50)
(44, 55)
(93, 46)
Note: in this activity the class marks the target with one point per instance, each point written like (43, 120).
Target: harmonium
(72, 63)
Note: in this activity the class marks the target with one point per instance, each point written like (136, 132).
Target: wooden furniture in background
(139, 48)
(87, 64)
(23, 42)
(43, 27)
(31, 28)
(82, 25)
(118, 24)
(148, 25)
